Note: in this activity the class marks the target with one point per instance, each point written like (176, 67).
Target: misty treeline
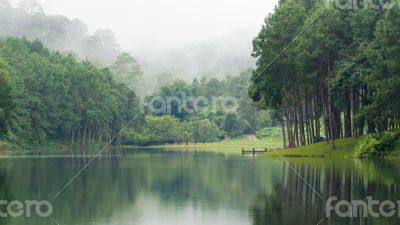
(206, 109)
(57, 32)
(214, 57)
(45, 95)
(340, 77)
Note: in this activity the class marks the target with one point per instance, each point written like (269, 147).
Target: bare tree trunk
(72, 141)
(84, 133)
(331, 122)
(347, 116)
(355, 111)
(299, 108)
(317, 115)
(308, 116)
(296, 130)
(330, 103)
(283, 131)
(326, 114)
(289, 125)
(311, 114)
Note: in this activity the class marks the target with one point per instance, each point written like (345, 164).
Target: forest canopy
(51, 96)
(339, 78)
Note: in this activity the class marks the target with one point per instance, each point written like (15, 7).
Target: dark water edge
(154, 186)
(51, 149)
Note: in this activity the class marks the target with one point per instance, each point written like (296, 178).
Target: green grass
(344, 149)
(231, 146)
(396, 152)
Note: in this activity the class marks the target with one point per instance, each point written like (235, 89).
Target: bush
(376, 145)
(269, 132)
(205, 130)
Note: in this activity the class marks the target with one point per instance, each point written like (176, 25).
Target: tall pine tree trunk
(331, 106)
(300, 110)
(347, 115)
(283, 130)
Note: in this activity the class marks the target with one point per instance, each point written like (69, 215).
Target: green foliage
(270, 132)
(57, 32)
(248, 111)
(172, 95)
(331, 63)
(210, 118)
(265, 119)
(170, 129)
(164, 128)
(233, 125)
(376, 145)
(205, 130)
(128, 70)
(6, 101)
(58, 98)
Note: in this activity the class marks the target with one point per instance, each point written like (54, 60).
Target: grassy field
(344, 149)
(227, 146)
(233, 146)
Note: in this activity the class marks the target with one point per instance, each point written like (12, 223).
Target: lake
(187, 188)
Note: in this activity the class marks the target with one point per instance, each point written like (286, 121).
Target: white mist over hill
(229, 54)
(184, 39)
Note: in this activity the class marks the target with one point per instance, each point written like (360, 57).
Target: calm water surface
(171, 188)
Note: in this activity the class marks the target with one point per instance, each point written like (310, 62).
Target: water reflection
(185, 188)
(294, 202)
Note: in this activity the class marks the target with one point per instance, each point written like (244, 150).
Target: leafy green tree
(59, 99)
(6, 101)
(328, 70)
(233, 125)
(247, 109)
(205, 130)
(264, 119)
(164, 127)
(175, 97)
(127, 68)
(386, 79)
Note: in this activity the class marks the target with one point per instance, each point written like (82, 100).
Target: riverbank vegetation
(230, 145)
(345, 148)
(322, 74)
(205, 110)
(339, 79)
(50, 98)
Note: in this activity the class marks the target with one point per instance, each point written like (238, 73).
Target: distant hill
(227, 55)
(57, 32)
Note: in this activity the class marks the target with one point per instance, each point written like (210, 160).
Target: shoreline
(344, 149)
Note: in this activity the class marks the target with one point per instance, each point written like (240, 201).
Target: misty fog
(224, 54)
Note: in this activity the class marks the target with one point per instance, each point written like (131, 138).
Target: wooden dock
(254, 151)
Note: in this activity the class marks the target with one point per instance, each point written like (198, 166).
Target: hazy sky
(163, 24)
